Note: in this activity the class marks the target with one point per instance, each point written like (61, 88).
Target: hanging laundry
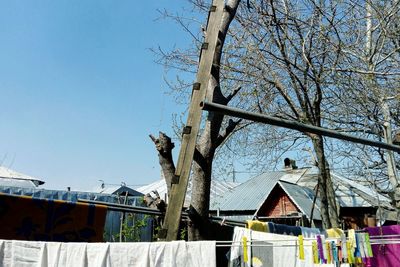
(267, 249)
(27, 218)
(257, 225)
(254, 248)
(143, 254)
(385, 252)
(321, 251)
(334, 232)
(309, 232)
(283, 229)
(275, 228)
(301, 247)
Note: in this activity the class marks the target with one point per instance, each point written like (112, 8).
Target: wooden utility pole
(190, 131)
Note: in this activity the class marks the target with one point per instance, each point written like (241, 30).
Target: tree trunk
(164, 147)
(200, 201)
(329, 211)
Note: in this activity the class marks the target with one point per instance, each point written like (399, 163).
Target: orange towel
(27, 218)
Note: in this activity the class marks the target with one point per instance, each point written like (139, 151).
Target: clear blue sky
(80, 91)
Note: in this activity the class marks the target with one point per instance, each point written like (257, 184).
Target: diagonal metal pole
(239, 113)
(179, 185)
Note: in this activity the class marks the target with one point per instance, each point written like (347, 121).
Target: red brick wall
(277, 204)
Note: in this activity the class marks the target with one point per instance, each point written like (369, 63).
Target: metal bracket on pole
(187, 130)
(196, 86)
(204, 46)
(175, 179)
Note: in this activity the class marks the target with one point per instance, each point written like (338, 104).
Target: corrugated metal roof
(11, 174)
(303, 198)
(17, 183)
(348, 192)
(353, 194)
(293, 176)
(65, 195)
(218, 189)
(250, 195)
(116, 190)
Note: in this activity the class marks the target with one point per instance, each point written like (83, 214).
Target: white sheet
(275, 250)
(169, 254)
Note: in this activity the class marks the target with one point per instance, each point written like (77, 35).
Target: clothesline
(260, 245)
(254, 243)
(266, 240)
(373, 240)
(388, 236)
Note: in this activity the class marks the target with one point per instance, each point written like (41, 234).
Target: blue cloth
(283, 229)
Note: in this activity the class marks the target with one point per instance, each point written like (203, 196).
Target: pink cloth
(387, 255)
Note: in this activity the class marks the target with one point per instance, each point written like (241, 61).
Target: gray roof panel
(251, 194)
(303, 197)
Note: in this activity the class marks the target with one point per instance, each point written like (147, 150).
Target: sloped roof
(348, 192)
(116, 190)
(299, 184)
(218, 189)
(160, 186)
(303, 198)
(353, 194)
(250, 195)
(8, 175)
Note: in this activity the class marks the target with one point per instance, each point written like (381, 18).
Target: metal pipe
(150, 211)
(124, 208)
(294, 125)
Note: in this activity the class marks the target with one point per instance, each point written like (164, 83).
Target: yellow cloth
(245, 253)
(257, 226)
(27, 218)
(334, 232)
(301, 247)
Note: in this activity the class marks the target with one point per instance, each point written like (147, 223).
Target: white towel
(129, 254)
(156, 254)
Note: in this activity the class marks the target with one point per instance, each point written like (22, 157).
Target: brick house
(288, 197)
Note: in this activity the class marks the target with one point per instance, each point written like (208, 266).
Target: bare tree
(302, 60)
(291, 54)
(368, 95)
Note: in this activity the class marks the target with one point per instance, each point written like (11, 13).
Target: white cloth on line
(310, 232)
(275, 250)
(55, 254)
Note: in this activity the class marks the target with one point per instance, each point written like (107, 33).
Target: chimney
(289, 164)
